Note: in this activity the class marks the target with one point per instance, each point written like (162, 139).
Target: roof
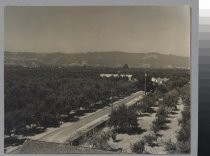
(41, 147)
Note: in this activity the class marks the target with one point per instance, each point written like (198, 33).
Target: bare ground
(124, 140)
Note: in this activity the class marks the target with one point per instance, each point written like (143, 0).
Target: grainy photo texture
(97, 79)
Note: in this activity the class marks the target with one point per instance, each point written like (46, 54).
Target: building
(159, 80)
(129, 76)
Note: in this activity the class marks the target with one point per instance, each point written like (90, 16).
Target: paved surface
(62, 134)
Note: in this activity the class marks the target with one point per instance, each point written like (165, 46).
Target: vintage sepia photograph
(97, 79)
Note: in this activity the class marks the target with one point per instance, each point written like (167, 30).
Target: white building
(129, 76)
(159, 80)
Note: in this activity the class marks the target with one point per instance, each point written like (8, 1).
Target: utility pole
(145, 83)
(111, 100)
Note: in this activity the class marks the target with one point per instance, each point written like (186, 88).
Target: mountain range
(103, 59)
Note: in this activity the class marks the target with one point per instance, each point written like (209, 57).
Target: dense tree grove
(38, 97)
(35, 96)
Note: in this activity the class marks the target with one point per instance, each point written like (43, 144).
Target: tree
(125, 66)
(138, 147)
(144, 104)
(141, 82)
(150, 138)
(100, 140)
(184, 132)
(170, 146)
(170, 99)
(123, 118)
(162, 88)
(162, 111)
(160, 121)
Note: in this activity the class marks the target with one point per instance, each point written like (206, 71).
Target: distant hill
(106, 59)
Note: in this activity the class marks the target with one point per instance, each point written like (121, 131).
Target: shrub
(178, 147)
(99, 141)
(170, 100)
(150, 139)
(170, 146)
(184, 133)
(155, 128)
(138, 147)
(105, 135)
(158, 124)
(160, 121)
(162, 111)
(185, 116)
(183, 147)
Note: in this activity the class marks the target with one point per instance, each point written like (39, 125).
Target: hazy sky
(160, 29)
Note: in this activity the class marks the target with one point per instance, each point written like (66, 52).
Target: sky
(134, 29)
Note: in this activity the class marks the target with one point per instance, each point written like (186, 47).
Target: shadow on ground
(174, 113)
(30, 132)
(144, 114)
(13, 141)
(165, 128)
(132, 131)
(117, 140)
(153, 145)
(151, 110)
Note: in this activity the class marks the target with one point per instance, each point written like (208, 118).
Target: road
(62, 134)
